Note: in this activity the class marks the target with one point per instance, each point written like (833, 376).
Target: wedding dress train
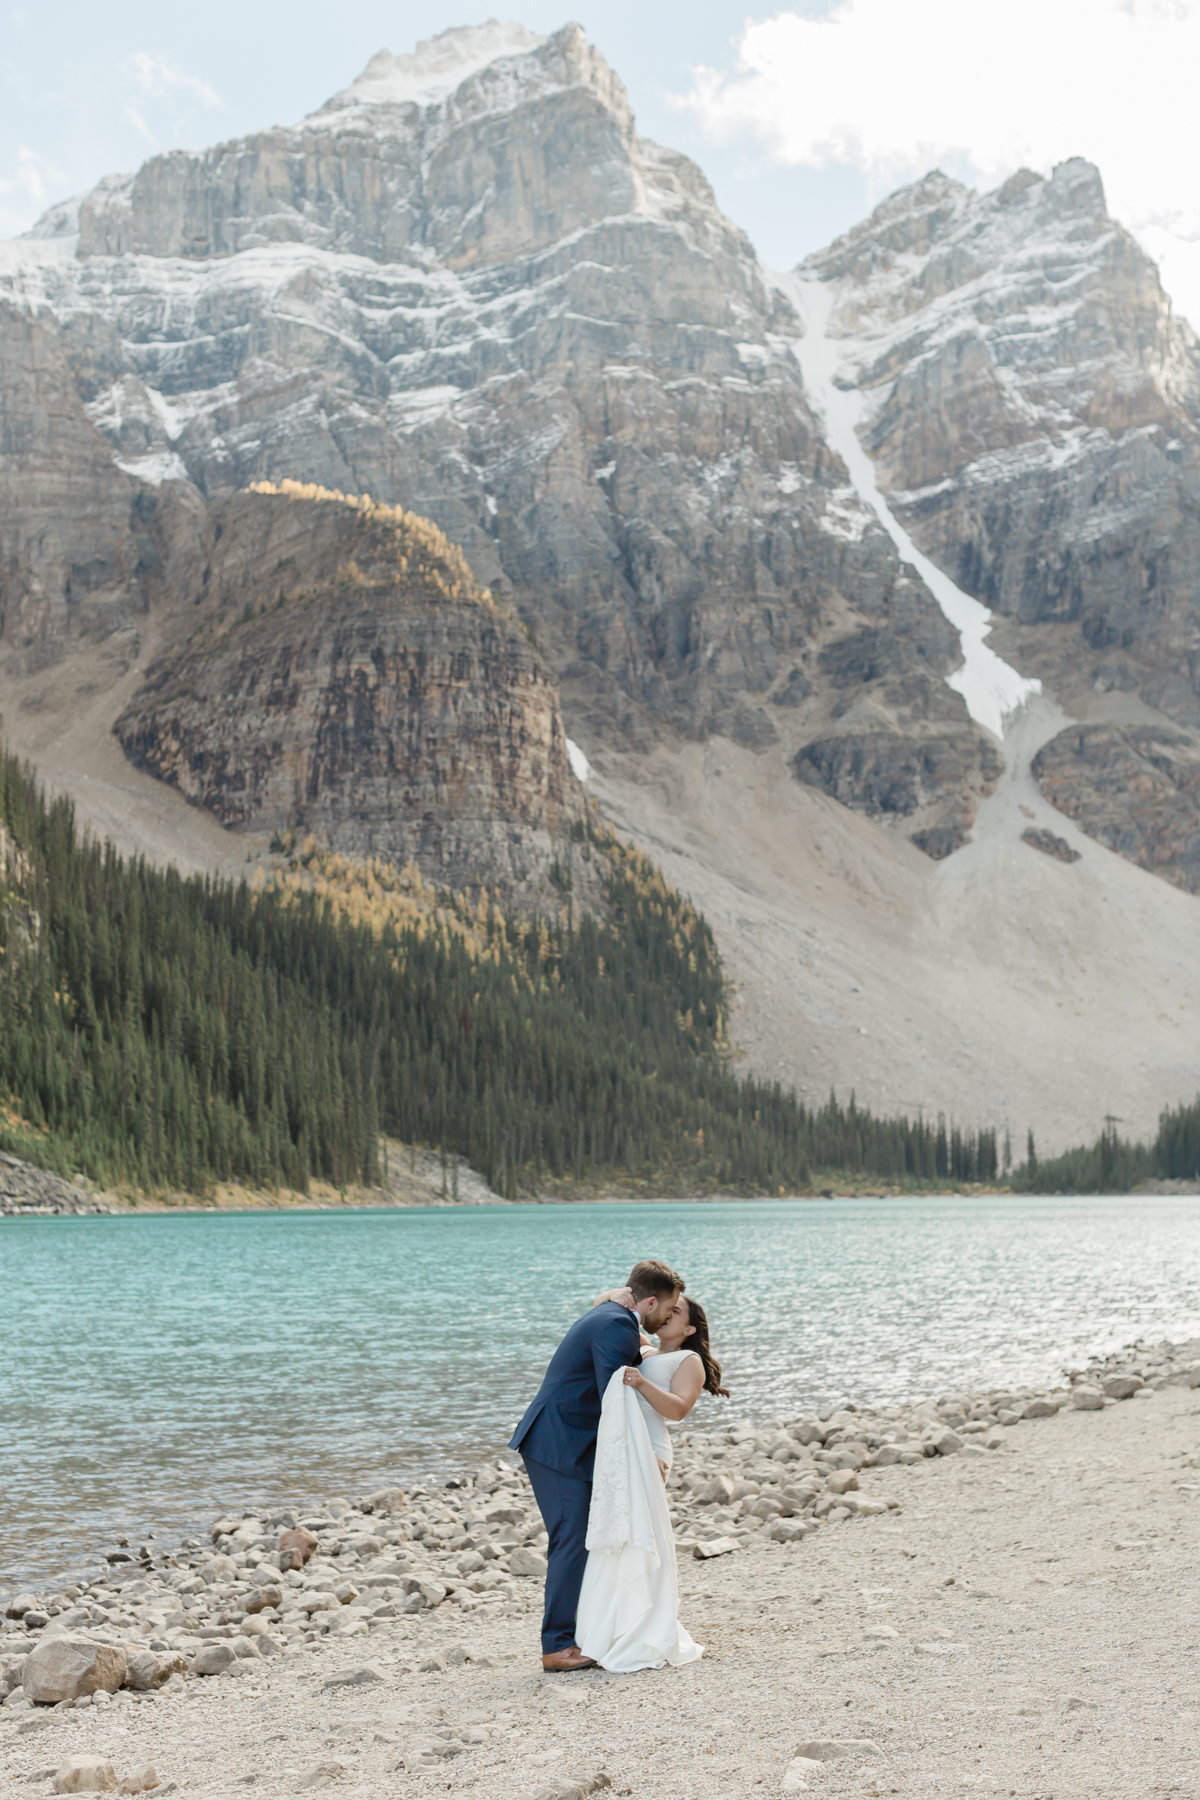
(628, 1616)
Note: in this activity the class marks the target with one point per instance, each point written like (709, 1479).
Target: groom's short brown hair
(654, 1278)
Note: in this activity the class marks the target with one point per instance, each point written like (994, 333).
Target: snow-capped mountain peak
(435, 68)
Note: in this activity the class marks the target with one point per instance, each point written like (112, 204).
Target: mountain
(467, 286)
(346, 676)
(1032, 408)
(730, 507)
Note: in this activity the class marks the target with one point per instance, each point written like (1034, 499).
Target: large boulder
(63, 1668)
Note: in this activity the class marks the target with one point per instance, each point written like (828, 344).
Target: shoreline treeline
(172, 1033)
(1117, 1165)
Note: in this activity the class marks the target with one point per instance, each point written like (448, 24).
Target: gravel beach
(987, 1594)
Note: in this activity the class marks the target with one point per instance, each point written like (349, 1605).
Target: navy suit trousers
(563, 1503)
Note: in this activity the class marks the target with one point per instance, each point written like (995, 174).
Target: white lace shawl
(626, 1483)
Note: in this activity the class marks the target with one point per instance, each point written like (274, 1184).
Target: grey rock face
(348, 677)
(468, 286)
(1135, 787)
(73, 553)
(1033, 408)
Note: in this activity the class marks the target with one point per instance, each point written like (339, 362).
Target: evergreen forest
(164, 1034)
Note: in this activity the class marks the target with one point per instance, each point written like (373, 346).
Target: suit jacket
(560, 1427)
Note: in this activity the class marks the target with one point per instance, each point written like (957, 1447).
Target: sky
(803, 117)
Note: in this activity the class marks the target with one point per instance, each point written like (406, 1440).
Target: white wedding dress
(628, 1615)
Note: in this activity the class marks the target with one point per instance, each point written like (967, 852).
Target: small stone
(35, 1620)
(710, 1547)
(140, 1781)
(1006, 1416)
(296, 1547)
(433, 1665)
(320, 1602)
(1123, 1387)
(62, 1668)
(842, 1481)
(423, 1590)
(788, 1531)
(1075, 1704)
(947, 1442)
(223, 1528)
(1040, 1409)
(880, 1633)
(794, 1775)
(19, 1605)
(324, 1774)
(573, 1787)
(362, 1676)
(523, 1561)
(1193, 1379)
(271, 1595)
(149, 1670)
(717, 1491)
(822, 1750)
(384, 1500)
(1087, 1399)
(85, 1775)
(214, 1659)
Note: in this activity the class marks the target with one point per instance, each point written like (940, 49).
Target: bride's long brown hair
(698, 1341)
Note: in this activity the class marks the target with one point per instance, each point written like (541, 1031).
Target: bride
(628, 1616)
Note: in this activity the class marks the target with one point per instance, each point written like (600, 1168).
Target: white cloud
(895, 87)
(159, 79)
(34, 176)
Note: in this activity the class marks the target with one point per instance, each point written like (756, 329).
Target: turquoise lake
(156, 1371)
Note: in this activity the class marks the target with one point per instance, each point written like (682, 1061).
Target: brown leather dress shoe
(559, 1662)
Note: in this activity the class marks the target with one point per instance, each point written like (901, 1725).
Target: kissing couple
(597, 1452)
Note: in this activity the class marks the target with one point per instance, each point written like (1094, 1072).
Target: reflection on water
(156, 1371)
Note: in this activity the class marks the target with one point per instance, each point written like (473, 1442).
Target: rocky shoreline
(401, 1586)
(29, 1192)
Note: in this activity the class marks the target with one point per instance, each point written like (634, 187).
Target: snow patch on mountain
(991, 688)
(433, 71)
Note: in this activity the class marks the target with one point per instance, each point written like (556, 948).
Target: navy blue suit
(557, 1440)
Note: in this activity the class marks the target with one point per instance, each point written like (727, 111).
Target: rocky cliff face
(467, 286)
(1033, 409)
(73, 552)
(347, 676)
(1135, 787)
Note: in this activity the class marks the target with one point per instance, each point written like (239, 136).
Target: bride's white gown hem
(628, 1615)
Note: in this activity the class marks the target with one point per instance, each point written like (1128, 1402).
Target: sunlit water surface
(156, 1371)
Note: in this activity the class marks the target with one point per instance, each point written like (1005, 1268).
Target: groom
(557, 1440)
